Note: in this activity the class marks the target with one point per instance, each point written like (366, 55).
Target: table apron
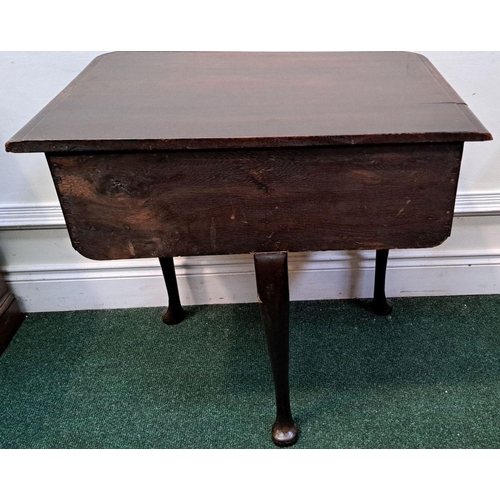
(205, 202)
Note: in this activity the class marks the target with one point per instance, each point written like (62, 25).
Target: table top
(202, 100)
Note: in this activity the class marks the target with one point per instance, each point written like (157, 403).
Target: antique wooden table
(170, 154)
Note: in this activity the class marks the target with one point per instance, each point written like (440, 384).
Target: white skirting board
(217, 280)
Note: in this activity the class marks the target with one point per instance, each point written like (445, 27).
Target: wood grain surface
(197, 100)
(165, 204)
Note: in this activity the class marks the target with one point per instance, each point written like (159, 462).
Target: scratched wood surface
(161, 204)
(197, 100)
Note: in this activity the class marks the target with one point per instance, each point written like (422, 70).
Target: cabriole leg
(380, 304)
(271, 271)
(174, 313)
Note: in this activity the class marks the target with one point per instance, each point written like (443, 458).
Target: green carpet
(426, 377)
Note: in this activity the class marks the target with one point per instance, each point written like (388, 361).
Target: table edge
(128, 145)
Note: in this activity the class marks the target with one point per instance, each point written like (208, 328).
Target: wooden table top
(127, 101)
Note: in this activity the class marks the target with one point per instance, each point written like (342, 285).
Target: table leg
(380, 304)
(174, 313)
(271, 271)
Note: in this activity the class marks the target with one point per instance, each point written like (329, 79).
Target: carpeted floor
(426, 377)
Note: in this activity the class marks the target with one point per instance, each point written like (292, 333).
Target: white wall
(47, 274)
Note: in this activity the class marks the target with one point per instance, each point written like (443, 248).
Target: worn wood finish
(271, 272)
(120, 206)
(197, 100)
(174, 313)
(10, 316)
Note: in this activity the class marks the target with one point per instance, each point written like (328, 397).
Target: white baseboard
(231, 279)
(477, 204)
(31, 217)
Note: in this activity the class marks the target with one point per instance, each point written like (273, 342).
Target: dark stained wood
(10, 315)
(271, 272)
(174, 313)
(203, 100)
(120, 206)
(380, 305)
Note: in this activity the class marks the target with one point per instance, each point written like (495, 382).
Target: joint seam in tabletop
(22, 142)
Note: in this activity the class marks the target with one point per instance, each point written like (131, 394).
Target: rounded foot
(285, 434)
(171, 316)
(382, 308)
